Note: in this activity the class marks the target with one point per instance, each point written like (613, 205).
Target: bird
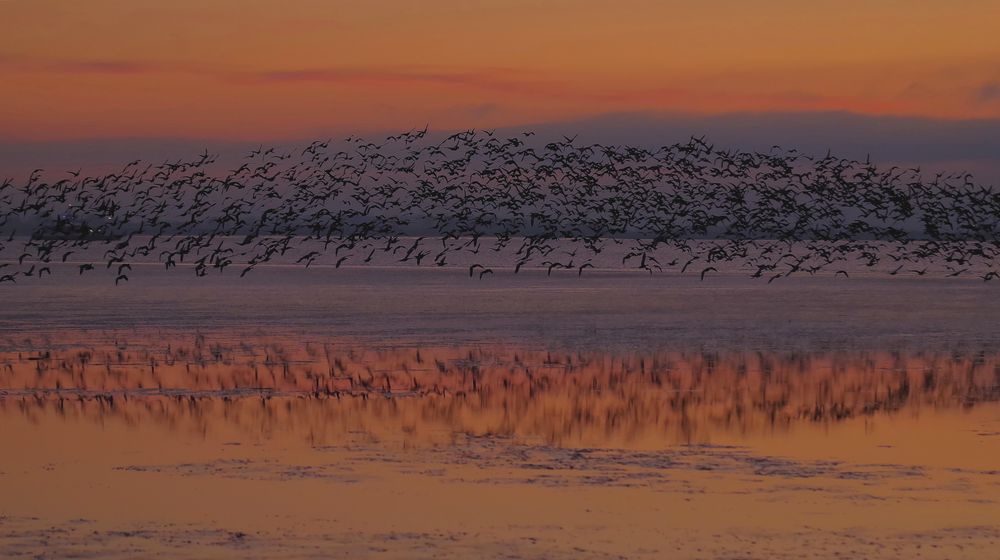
(774, 213)
(472, 269)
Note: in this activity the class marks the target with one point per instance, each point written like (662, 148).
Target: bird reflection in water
(328, 391)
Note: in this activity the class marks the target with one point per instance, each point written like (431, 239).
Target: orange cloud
(70, 66)
(236, 68)
(492, 80)
(487, 79)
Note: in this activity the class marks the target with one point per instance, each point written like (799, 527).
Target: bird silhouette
(537, 203)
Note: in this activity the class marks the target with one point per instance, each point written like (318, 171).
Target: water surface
(418, 413)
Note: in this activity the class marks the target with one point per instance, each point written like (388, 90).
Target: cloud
(66, 66)
(107, 67)
(482, 110)
(849, 134)
(933, 143)
(504, 80)
(491, 79)
(917, 98)
(990, 91)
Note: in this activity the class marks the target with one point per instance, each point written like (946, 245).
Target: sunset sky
(280, 69)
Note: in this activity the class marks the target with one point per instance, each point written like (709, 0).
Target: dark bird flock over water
(553, 206)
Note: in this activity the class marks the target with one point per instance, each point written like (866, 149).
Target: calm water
(400, 412)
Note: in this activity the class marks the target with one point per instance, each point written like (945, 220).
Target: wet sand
(390, 430)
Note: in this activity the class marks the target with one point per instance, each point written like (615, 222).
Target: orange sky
(254, 69)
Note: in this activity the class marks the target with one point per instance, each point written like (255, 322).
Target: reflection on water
(329, 391)
(389, 412)
(299, 441)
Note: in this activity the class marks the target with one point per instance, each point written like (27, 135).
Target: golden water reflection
(324, 392)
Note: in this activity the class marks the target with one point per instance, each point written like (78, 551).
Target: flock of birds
(554, 206)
